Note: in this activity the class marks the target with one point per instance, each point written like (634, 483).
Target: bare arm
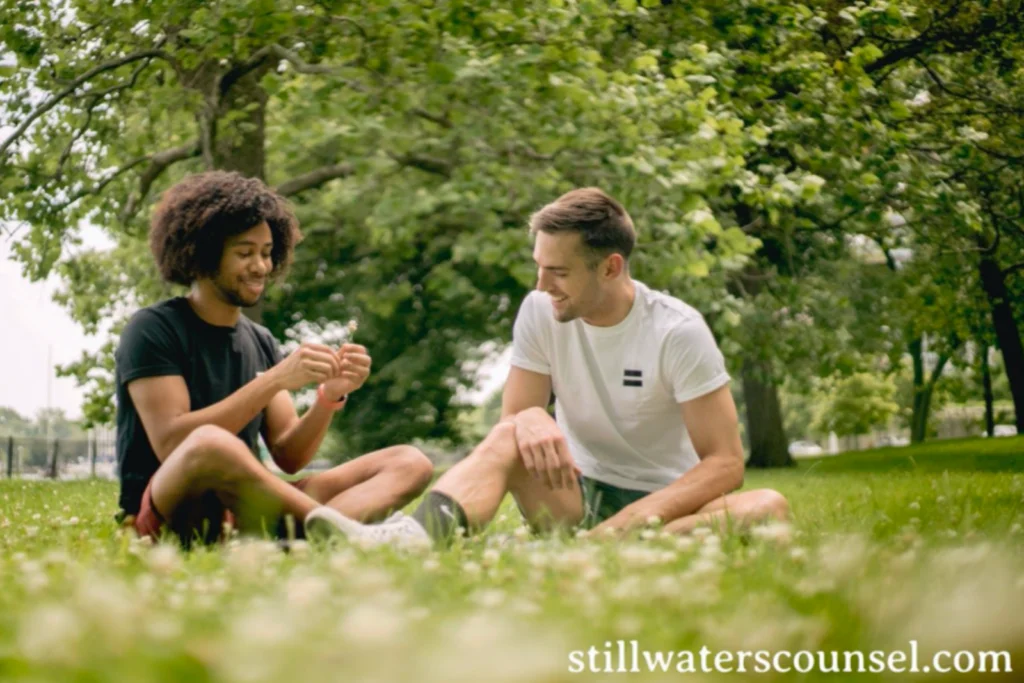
(524, 390)
(293, 441)
(166, 412)
(542, 445)
(164, 407)
(714, 430)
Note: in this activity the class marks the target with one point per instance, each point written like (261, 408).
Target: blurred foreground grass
(921, 543)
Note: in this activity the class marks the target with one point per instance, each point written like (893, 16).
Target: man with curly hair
(198, 383)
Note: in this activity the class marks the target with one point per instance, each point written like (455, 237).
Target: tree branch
(314, 179)
(96, 189)
(158, 163)
(302, 66)
(424, 163)
(439, 119)
(54, 100)
(1010, 270)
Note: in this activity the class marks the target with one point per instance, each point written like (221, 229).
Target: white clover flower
(162, 628)
(304, 592)
(489, 599)
(50, 633)
(490, 557)
(775, 532)
(373, 625)
(843, 557)
(525, 607)
(164, 560)
(685, 543)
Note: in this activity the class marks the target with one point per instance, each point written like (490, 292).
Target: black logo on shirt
(632, 378)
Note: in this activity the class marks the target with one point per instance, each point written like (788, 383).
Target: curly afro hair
(195, 217)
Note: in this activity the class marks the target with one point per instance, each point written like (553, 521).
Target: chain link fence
(37, 457)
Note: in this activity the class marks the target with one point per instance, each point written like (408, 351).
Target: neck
(616, 306)
(212, 308)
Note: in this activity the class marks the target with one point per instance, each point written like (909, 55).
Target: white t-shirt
(618, 388)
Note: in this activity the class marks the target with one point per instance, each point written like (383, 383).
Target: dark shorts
(201, 520)
(601, 500)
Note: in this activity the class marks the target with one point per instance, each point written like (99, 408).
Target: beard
(235, 297)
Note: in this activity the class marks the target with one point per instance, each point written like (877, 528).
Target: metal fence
(36, 457)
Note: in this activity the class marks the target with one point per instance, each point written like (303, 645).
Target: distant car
(804, 449)
(1004, 430)
(892, 440)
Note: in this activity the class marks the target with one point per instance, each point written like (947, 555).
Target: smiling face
(244, 266)
(576, 289)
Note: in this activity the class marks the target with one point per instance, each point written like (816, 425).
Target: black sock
(440, 515)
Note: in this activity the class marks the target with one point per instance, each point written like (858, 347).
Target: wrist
(273, 379)
(330, 401)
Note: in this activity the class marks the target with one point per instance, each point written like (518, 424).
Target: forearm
(714, 476)
(232, 413)
(300, 442)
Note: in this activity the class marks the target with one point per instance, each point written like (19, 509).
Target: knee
(501, 452)
(413, 465)
(771, 504)
(207, 447)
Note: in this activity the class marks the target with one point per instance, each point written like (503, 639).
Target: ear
(613, 266)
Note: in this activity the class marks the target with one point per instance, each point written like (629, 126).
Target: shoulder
(536, 302)
(673, 321)
(535, 310)
(165, 316)
(666, 311)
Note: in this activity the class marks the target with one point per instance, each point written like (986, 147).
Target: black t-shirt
(169, 338)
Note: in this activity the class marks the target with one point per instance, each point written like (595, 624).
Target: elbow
(734, 473)
(283, 462)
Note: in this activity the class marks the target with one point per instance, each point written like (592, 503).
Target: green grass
(888, 546)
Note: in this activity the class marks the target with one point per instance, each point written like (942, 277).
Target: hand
(544, 450)
(354, 364)
(308, 364)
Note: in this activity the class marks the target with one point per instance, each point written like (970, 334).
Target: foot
(325, 523)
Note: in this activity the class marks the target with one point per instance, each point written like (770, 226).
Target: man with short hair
(645, 424)
(197, 383)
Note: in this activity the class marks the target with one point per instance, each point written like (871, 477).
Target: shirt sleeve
(271, 349)
(693, 363)
(148, 348)
(528, 348)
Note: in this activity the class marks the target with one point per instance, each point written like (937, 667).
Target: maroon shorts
(202, 519)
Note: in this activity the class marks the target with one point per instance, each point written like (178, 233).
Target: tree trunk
(923, 390)
(993, 281)
(986, 385)
(917, 357)
(765, 431)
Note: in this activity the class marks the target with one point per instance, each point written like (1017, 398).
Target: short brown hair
(196, 217)
(603, 224)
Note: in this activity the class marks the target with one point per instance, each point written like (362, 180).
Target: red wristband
(322, 399)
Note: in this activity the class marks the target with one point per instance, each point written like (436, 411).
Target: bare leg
(735, 510)
(369, 487)
(479, 482)
(211, 459)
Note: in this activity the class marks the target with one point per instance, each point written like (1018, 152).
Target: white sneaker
(325, 523)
